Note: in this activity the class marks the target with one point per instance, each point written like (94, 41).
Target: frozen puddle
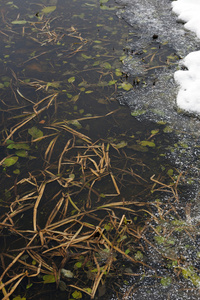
(155, 18)
(153, 22)
(156, 99)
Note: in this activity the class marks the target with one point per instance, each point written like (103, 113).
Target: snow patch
(188, 97)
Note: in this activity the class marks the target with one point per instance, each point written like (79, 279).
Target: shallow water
(78, 53)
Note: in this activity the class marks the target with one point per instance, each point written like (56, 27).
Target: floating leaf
(6, 84)
(18, 146)
(96, 63)
(170, 172)
(118, 72)
(159, 239)
(75, 98)
(77, 295)
(16, 172)
(88, 290)
(127, 251)
(19, 298)
(10, 161)
(71, 79)
(35, 132)
(155, 131)
(78, 264)
(126, 86)
(139, 148)
(21, 153)
(147, 143)
(111, 82)
(28, 286)
(48, 9)
(104, 7)
(120, 145)
(69, 95)
(86, 56)
(108, 227)
(83, 83)
(19, 22)
(89, 92)
(54, 84)
(122, 238)
(139, 256)
(49, 278)
(106, 65)
(72, 176)
(167, 129)
(166, 281)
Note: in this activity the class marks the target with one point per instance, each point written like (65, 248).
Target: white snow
(188, 97)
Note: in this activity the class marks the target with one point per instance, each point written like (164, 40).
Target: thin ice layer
(188, 97)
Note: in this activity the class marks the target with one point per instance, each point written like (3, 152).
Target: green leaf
(120, 145)
(28, 286)
(166, 281)
(16, 172)
(71, 79)
(138, 113)
(78, 264)
(18, 146)
(139, 148)
(75, 98)
(104, 7)
(49, 278)
(127, 251)
(126, 86)
(111, 82)
(108, 227)
(54, 84)
(77, 295)
(35, 132)
(86, 56)
(48, 9)
(19, 298)
(10, 161)
(118, 72)
(159, 239)
(167, 129)
(155, 131)
(21, 153)
(122, 238)
(106, 65)
(19, 22)
(139, 256)
(147, 143)
(88, 290)
(170, 172)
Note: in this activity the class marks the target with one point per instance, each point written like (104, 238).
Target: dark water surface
(69, 61)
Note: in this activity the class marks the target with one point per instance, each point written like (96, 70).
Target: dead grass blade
(41, 191)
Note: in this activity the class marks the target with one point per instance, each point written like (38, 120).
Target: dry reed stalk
(41, 191)
(15, 286)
